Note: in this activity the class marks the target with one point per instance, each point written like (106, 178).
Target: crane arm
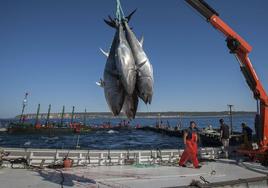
(240, 48)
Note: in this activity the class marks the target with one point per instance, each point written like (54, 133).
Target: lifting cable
(119, 14)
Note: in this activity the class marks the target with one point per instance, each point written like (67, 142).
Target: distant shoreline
(139, 114)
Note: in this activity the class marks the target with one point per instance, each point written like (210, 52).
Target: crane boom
(240, 48)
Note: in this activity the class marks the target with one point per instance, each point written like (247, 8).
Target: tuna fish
(131, 105)
(125, 63)
(128, 73)
(145, 79)
(130, 101)
(113, 89)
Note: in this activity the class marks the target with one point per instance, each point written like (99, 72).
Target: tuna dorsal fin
(141, 41)
(106, 54)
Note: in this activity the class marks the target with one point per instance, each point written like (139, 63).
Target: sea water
(122, 139)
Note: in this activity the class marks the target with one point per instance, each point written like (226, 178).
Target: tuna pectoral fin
(106, 54)
(141, 41)
(100, 83)
(140, 65)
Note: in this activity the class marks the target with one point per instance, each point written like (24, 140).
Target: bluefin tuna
(125, 63)
(131, 105)
(113, 89)
(145, 80)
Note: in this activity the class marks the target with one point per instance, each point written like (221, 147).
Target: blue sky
(50, 48)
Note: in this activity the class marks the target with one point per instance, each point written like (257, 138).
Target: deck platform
(216, 172)
(125, 169)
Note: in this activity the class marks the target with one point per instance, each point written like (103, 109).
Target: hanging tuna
(128, 73)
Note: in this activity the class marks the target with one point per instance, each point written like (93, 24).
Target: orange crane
(241, 49)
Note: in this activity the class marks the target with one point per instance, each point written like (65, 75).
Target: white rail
(44, 157)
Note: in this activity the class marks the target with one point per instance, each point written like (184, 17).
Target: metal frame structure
(241, 49)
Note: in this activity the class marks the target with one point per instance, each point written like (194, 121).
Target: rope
(119, 11)
(204, 180)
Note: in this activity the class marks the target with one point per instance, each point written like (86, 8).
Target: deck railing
(44, 157)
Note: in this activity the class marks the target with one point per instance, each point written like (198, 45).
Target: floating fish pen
(211, 138)
(114, 128)
(46, 130)
(58, 129)
(165, 131)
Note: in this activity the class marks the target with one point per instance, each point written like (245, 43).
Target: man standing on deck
(225, 135)
(247, 136)
(190, 139)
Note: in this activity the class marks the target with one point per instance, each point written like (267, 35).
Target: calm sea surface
(124, 139)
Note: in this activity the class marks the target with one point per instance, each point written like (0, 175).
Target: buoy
(67, 163)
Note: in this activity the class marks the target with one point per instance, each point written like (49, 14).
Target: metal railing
(44, 157)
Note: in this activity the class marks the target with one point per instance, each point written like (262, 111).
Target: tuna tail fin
(130, 15)
(106, 54)
(114, 23)
(110, 23)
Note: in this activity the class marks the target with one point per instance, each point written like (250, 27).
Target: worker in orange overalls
(190, 139)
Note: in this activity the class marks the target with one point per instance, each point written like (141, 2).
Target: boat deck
(124, 169)
(220, 172)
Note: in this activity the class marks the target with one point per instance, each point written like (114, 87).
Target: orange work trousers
(190, 152)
